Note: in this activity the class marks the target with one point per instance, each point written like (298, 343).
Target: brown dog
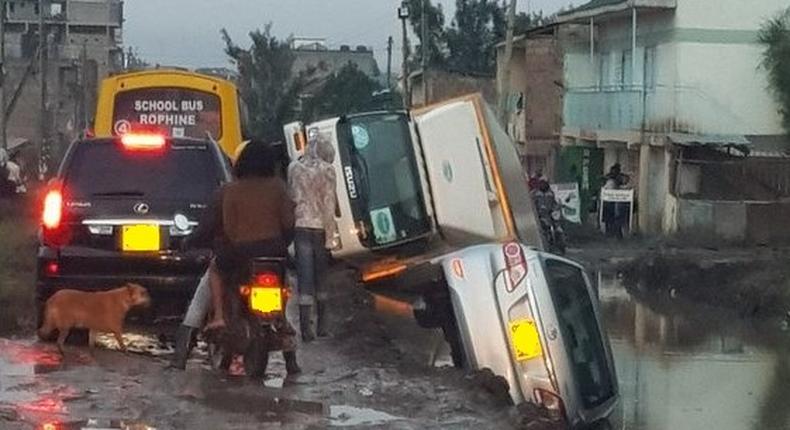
(103, 311)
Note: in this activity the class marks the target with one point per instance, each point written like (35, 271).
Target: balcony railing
(659, 109)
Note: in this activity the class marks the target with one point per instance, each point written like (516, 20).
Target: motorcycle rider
(545, 200)
(545, 205)
(249, 217)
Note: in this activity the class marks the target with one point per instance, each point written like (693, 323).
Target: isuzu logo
(141, 208)
(352, 186)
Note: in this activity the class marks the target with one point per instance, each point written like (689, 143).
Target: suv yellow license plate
(140, 238)
(266, 300)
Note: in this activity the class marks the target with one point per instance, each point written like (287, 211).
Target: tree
(267, 82)
(526, 21)
(347, 91)
(436, 32)
(134, 61)
(472, 37)
(775, 35)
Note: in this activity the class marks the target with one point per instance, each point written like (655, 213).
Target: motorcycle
(257, 325)
(551, 226)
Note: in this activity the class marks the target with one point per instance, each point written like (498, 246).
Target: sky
(187, 32)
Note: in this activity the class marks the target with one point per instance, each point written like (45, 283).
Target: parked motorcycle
(255, 310)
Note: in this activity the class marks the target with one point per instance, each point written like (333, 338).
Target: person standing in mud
(311, 183)
(614, 214)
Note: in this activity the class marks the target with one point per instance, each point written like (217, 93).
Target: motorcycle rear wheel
(256, 360)
(219, 357)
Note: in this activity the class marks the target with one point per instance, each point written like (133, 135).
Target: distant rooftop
(592, 5)
(598, 7)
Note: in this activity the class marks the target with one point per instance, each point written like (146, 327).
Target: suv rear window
(180, 172)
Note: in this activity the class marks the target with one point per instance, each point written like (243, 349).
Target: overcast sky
(186, 32)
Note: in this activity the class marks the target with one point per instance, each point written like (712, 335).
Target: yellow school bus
(175, 102)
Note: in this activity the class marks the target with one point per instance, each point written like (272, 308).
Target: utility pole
(3, 134)
(42, 73)
(403, 14)
(389, 62)
(425, 51)
(504, 89)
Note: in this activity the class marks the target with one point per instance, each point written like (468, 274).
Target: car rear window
(580, 331)
(180, 172)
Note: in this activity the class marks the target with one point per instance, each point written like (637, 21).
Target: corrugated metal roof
(592, 5)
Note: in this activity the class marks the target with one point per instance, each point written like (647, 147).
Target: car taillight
(143, 142)
(53, 209)
(515, 263)
(551, 401)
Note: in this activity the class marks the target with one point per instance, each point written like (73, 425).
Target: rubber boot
(291, 366)
(183, 346)
(305, 323)
(321, 319)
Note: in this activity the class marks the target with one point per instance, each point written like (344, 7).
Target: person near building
(312, 182)
(615, 214)
(536, 179)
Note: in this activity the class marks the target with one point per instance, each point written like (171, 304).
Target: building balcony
(625, 113)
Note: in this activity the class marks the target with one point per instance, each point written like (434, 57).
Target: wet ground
(378, 371)
(680, 366)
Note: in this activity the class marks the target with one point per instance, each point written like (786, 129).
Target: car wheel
(256, 360)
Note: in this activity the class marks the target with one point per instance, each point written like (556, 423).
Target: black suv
(118, 212)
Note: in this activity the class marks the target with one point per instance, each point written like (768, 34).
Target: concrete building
(314, 56)
(652, 82)
(535, 96)
(445, 85)
(83, 45)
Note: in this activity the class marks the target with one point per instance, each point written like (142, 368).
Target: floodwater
(683, 367)
(680, 366)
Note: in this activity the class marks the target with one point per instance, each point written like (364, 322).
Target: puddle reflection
(693, 370)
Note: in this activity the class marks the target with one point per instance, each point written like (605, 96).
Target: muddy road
(378, 371)
(681, 365)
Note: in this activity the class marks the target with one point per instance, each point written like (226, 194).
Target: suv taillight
(52, 216)
(53, 209)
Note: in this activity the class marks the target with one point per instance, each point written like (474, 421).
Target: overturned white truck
(435, 201)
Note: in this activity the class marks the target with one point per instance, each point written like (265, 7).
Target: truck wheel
(256, 360)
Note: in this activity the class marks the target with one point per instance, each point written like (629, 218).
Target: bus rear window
(178, 112)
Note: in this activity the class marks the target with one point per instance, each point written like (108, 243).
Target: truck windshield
(580, 332)
(382, 180)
